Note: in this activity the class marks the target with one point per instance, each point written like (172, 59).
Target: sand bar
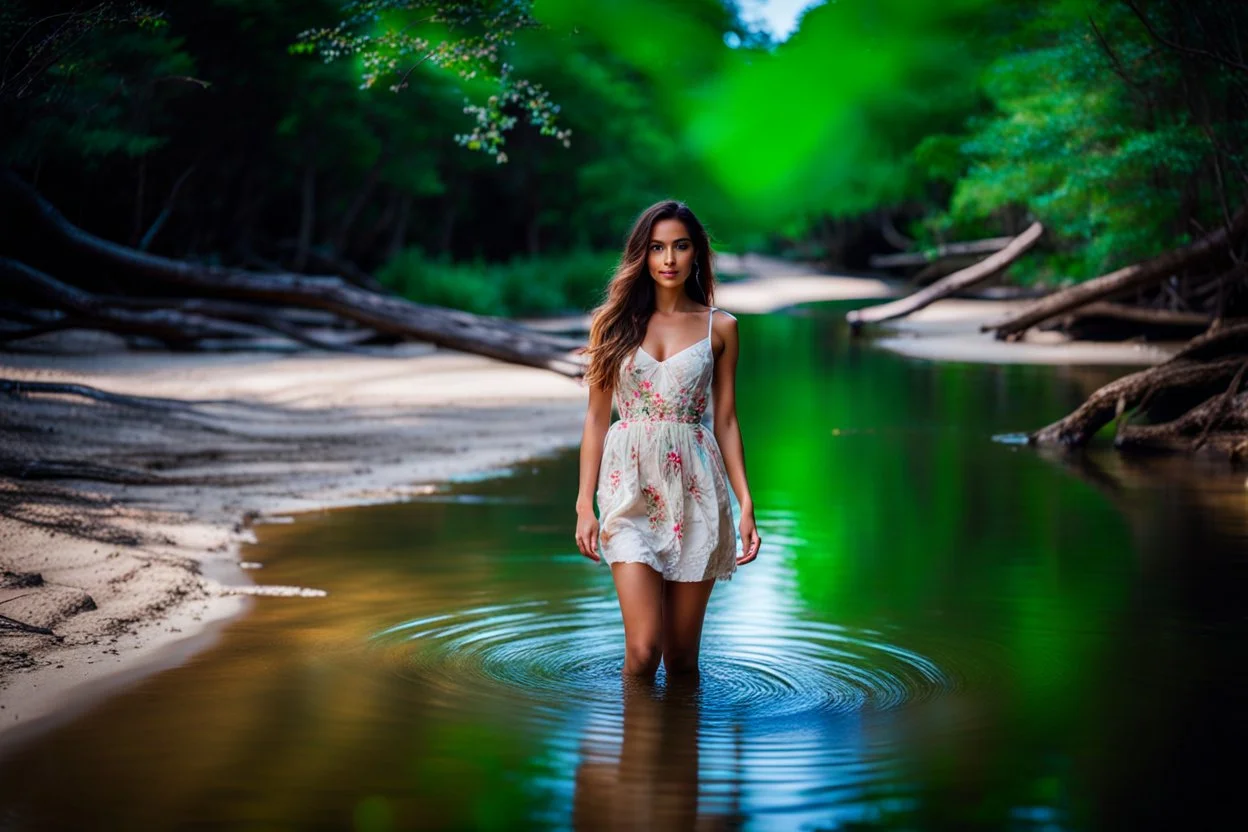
(135, 578)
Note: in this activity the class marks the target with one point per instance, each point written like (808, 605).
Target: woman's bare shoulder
(723, 330)
(723, 321)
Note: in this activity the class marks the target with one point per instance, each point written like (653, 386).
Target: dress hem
(723, 576)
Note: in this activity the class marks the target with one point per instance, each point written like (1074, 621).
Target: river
(945, 630)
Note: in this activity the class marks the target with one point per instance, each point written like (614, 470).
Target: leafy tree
(1110, 138)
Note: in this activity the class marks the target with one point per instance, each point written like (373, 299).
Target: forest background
(491, 155)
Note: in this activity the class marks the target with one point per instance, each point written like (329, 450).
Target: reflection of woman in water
(661, 473)
(650, 780)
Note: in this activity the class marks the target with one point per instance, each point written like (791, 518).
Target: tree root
(1116, 397)
(1217, 425)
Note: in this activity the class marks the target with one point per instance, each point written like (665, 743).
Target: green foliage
(89, 84)
(821, 124)
(567, 283)
(464, 39)
(1090, 130)
(978, 115)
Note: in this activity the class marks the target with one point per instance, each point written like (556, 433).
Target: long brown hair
(619, 324)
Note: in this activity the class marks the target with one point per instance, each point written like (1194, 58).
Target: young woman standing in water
(661, 473)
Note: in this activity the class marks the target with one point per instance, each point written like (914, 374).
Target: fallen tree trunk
(940, 268)
(1106, 320)
(978, 273)
(493, 337)
(1140, 314)
(905, 259)
(1123, 280)
(170, 326)
(178, 324)
(1116, 397)
(279, 321)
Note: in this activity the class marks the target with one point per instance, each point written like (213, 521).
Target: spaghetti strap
(710, 319)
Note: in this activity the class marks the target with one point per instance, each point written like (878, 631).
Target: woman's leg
(684, 608)
(640, 589)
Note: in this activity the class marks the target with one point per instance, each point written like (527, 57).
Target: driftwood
(1141, 315)
(1194, 430)
(1121, 281)
(288, 323)
(1210, 360)
(493, 337)
(1104, 319)
(19, 387)
(85, 308)
(1224, 340)
(177, 322)
(907, 259)
(1116, 397)
(944, 266)
(7, 623)
(956, 282)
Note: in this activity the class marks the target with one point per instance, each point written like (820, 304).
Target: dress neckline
(710, 319)
(642, 350)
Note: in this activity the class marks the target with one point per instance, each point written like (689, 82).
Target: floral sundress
(663, 496)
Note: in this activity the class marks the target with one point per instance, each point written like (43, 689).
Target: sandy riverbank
(948, 330)
(133, 578)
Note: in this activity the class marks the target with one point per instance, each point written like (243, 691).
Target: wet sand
(133, 578)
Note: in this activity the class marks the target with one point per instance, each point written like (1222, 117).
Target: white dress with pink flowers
(663, 494)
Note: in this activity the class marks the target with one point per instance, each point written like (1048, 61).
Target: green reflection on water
(942, 632)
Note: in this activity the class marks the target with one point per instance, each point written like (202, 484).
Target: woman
(661, 472)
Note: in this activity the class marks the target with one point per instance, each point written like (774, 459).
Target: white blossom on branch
(393, 38)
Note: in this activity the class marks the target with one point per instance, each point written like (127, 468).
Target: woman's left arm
(728, 432)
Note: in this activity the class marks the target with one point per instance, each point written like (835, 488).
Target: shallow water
(943, 632)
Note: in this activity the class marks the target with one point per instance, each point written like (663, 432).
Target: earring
(697, 271)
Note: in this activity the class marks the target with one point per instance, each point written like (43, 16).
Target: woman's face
(671, 253)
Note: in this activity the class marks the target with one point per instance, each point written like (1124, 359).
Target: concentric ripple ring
(551, 651)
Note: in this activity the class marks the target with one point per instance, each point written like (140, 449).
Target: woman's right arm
(597, 420)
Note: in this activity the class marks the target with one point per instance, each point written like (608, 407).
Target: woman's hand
(750, 541)
(587, 534)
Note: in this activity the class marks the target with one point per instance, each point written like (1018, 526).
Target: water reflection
(644, 774)
(944, 632)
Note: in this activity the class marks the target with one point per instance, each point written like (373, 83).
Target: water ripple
(567, 650)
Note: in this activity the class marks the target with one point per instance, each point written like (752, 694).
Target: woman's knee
(642, 656)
